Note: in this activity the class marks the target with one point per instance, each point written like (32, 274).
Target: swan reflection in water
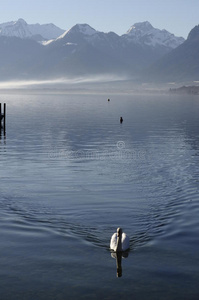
(118, 256)
(120, 245)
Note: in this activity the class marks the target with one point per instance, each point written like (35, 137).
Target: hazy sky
(176, 16)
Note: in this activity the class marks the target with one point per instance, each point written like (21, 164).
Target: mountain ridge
(180, 64)
(22, 29)
(145, 33)
(82, 51)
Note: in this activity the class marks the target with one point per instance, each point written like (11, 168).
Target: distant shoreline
(106, 87)
(191, 90)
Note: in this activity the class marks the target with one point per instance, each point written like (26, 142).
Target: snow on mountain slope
(21, 29)
(145, 33)
(18, 29)
(83, 34)
(140, 33)
(83, 29)
(77, 32)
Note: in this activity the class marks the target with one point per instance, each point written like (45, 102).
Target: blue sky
(176, 16)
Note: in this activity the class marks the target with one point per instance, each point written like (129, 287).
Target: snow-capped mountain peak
(84, 29)
(140, 27)
(17, 28)
(145, 33)
(21, 29)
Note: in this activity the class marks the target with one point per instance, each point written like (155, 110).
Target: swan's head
(119, 231)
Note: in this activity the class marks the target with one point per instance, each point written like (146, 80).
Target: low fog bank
(104, 84)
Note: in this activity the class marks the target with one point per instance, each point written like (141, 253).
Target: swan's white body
(119, 241)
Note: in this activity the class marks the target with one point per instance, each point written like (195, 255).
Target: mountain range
(46, 51)
(36, 32)
(181, 64)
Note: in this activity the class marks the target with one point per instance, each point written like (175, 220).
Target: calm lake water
(70, 174)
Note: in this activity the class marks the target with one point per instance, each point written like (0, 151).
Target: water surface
(70, 174)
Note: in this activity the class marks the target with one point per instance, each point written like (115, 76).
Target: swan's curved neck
(119, 243)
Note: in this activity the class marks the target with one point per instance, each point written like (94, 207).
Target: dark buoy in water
(121, 120)
(108, 99)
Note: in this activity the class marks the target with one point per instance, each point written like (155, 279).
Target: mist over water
(70, 174)
(101, 84)
(62, 82)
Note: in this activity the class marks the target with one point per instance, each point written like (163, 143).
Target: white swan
(119, 241)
